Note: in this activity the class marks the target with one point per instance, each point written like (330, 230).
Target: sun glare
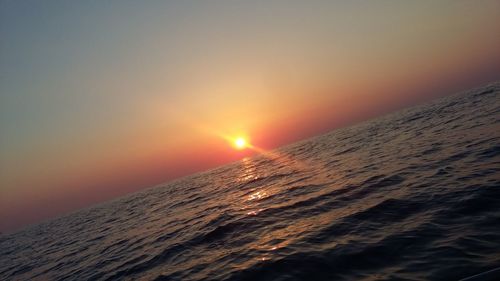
(240, 143)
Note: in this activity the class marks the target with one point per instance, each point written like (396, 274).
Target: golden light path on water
(256, 201)
(251, 203)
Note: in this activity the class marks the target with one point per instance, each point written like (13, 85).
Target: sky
(102, 98)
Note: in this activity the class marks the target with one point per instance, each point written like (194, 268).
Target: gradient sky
(102, 98)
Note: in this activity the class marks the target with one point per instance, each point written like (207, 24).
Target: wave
(409, 196)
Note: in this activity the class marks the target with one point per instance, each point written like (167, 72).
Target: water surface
(414, 195)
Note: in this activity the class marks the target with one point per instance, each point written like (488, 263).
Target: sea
(413, 195)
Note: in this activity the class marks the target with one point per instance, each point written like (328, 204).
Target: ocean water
(414, 195)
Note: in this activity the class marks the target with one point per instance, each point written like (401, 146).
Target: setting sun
(240, 143)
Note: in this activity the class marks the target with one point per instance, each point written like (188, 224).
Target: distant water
(414, 195)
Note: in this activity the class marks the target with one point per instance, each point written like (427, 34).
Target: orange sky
(99, 100)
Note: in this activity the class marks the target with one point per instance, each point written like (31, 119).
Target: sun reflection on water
(257, 186)
(249, 172)
(257, 195)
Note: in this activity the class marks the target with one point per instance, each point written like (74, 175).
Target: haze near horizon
(98, 100)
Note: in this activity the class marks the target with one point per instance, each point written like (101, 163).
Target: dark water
(411, 196)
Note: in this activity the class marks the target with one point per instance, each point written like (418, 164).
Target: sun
(240, 143)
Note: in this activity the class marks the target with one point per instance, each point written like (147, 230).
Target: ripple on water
(409, 196)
